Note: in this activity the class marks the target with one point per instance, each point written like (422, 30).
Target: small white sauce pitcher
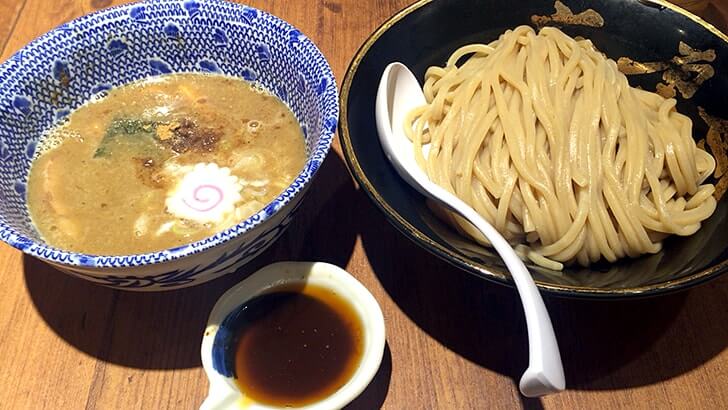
(218, 348)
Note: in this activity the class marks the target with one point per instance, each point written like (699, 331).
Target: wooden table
(453, 341)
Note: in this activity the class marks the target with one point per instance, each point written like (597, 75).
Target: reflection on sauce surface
(297, 347)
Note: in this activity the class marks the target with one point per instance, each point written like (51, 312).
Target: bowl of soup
(159, 145)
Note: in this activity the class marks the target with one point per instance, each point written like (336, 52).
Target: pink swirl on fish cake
(200, 196)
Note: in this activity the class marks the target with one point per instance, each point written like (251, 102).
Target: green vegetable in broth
(142, 132)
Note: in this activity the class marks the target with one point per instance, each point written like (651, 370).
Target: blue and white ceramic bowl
(61, 70)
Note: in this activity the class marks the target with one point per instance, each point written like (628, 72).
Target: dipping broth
(295, 347)
(161, 163)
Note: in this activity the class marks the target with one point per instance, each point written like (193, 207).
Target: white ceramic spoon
(398, 93)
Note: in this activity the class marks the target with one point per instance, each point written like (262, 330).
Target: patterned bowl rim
(314, 159)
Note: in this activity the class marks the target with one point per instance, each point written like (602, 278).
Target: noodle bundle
(544, 137)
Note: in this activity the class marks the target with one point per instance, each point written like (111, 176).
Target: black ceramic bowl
(427, 32)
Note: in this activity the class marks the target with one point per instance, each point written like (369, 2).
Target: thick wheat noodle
(544, 137)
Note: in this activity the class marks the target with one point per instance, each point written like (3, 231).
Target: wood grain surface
(454, 342)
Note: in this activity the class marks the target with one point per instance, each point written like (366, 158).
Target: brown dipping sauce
(297, 347)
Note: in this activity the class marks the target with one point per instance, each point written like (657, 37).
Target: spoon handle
(399, 92)
(545, 373)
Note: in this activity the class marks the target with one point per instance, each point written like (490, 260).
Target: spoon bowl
(398, 93)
